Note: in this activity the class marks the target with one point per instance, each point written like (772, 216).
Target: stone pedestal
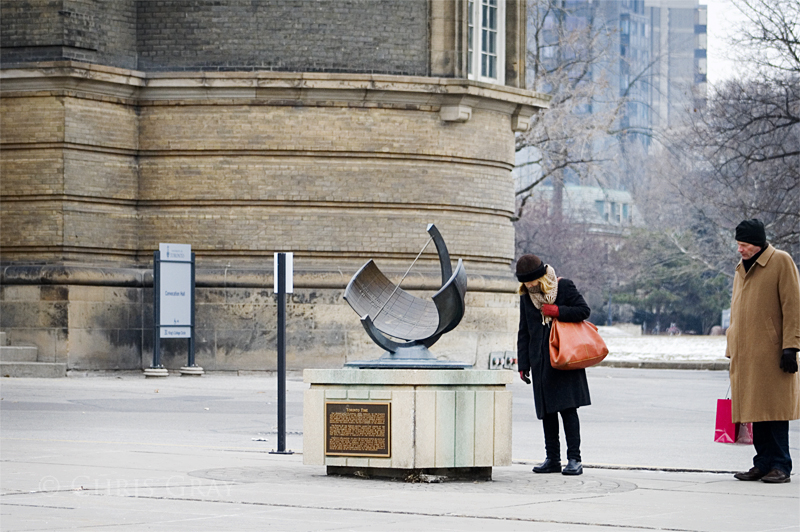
(452, 423)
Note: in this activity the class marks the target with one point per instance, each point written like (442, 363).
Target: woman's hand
(550, 310)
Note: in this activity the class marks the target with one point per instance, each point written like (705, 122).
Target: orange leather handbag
(575, 345)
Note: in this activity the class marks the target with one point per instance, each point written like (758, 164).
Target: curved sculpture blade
(379, 338)
(392, 310)
(441, 250)
(388, 310)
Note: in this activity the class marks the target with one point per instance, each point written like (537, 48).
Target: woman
(544, 298)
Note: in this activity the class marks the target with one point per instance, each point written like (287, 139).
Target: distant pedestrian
(543, 297)
(763, 341)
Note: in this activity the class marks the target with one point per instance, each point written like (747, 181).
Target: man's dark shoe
(548, 466)
(776, 476)
(754, 474)
(573, 468)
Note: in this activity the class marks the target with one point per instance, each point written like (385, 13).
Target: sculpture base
(408, 357)
(448, 423)
(427, 475)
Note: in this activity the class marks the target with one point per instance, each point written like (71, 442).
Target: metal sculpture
(387, 311)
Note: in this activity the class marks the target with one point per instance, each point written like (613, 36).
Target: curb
(711, 365)
(613, 467)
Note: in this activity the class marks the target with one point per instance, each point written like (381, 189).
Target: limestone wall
(100, 165)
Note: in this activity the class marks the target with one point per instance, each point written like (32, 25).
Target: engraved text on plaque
(358, 429)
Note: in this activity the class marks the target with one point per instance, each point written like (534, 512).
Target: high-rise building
(678, 45)
(649, 55)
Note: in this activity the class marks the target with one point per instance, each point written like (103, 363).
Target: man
(763, 341)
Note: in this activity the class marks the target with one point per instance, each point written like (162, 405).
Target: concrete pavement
(120, 452)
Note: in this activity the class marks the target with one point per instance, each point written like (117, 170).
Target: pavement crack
(423, 514)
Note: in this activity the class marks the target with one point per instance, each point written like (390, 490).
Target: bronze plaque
(358, 429)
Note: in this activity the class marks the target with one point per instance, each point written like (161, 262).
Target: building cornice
(454, 99)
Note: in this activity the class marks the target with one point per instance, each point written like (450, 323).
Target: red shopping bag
(727, 431)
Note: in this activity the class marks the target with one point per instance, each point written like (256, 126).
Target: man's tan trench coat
(765, 320)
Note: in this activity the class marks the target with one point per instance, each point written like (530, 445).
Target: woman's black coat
(554, 390)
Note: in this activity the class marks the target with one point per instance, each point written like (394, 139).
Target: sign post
(173, 303)
(283, 285)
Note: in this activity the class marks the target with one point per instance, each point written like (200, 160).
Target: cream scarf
(539, 298)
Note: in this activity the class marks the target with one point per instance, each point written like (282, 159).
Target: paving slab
(120, 452)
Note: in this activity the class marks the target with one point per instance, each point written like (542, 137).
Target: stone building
(334, 129)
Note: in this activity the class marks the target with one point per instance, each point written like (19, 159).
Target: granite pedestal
(448, 423)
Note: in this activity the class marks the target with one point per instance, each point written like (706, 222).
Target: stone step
(36, 370)
(3, 340)
(18, 353)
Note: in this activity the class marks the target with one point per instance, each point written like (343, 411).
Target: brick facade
(100, 164)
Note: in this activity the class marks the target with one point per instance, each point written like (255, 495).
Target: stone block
(336, 393)
(313, 419)
(403, 427)
(93, 349)
(356, 394)
(445, 424)
(33, 370)
(425, 411)
(484, 429)
(18, 293)
(18, 314)
(17, 353)
(465, 427)
(502, 427)
(357, 462)
(245, 349)
(380, 395)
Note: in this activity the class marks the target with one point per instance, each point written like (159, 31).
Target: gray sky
(723, 18)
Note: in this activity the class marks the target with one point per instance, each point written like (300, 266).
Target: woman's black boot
(573, 467)
(548, 466)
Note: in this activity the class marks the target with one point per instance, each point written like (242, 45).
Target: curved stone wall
(337, 168)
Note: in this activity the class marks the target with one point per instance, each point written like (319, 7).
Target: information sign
(358, 429)
(175, 295)
(173, 303)
(175, 252)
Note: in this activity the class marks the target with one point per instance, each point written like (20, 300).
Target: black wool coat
(554, 390)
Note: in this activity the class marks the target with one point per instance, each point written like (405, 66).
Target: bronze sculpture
(387, 310)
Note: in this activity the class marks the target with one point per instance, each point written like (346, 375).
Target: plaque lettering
(358, 429)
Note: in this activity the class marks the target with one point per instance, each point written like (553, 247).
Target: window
(486, 40)
(600, 205)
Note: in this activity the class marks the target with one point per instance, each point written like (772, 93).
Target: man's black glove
(789, 361)
(525, 376)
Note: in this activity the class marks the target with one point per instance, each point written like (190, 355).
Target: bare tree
(562, 60)
(573, 56)
(770, 39)
(742, 152)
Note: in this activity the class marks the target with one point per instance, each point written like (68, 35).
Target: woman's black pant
(572, 433)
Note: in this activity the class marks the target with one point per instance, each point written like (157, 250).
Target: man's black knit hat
(752, 232)
(530, 268)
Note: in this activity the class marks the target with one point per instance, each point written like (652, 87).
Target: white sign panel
(175, 252)
(289, 285)
(175, 332)
(176, 294)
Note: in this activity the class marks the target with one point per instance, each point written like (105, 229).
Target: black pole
(156, 310)
(191, 329)
(281, 293)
